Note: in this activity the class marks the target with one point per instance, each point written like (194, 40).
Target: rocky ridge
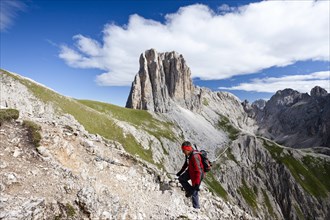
(77, 175)
(295, 119)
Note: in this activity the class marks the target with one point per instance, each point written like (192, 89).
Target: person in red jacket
(195, 172)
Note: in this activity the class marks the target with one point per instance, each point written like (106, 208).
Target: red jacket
(195, 168)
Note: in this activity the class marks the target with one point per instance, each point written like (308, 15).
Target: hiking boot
(195, 210)
(189, 194)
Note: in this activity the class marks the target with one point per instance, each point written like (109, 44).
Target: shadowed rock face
(163, 78)
(295, 119)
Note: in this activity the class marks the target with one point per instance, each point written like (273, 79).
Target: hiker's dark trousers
(183, 179)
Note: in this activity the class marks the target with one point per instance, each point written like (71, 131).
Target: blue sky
(90, 49)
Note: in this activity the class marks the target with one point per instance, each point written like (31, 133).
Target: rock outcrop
(163, 78)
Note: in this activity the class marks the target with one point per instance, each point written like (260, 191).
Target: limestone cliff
(163, 78)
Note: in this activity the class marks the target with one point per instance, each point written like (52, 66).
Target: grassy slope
(91, 115)
(139, 119)
(225, 125)
(97, 118)
(249, 195)
(311, 173)
(214, 186)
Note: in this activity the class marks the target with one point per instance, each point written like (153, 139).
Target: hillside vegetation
(99, 118)
(311, 173)
(8, 114)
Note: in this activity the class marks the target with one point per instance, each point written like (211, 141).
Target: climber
(193, 162)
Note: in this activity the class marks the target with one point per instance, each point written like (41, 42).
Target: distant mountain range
(294, 119)
(96, 160)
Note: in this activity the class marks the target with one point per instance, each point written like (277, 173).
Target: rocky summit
(63, 158)
(296, 119)
(163, 78)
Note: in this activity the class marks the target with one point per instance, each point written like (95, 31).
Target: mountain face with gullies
(95, 160)
(297, 120)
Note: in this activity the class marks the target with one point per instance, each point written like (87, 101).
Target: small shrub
(70, 210)
(205, 102)
(8, 114)
(225, 125)
(33, 132)
(58, 217)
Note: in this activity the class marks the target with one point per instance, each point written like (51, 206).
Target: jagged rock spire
(163, 79)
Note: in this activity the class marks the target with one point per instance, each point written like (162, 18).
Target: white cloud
(215, 45)
(301, 83)
(8, 12)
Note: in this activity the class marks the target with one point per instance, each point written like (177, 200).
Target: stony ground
(74, 175)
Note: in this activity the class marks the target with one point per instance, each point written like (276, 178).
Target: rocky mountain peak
(296, 119)
(260, 103)
(163, 79)
(285, 97)
(318, 91)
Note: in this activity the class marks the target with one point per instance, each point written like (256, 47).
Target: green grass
(205, 102)
(231, 156)
(33, 132)
(320, 168)
(225, 125)
(214, 186)
(268, 205)
(312, 176)
(70, 210)
(255, 189)
(58, 217)
(139, 118)
(94, 121)
(258, 166)
(248, 195)
(299, 212)
(8, 114)
(274, 150)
